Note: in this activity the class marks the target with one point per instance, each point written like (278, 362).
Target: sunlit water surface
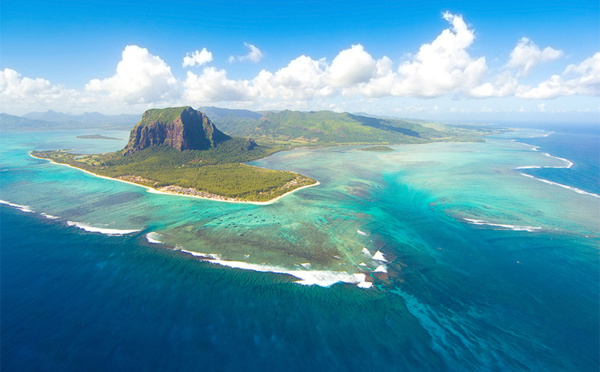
(479, 256)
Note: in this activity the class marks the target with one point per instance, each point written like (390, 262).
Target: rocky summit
(182, 128)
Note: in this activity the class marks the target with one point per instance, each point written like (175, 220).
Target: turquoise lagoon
(446, 256)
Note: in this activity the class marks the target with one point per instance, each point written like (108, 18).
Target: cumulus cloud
(13, 85)
(444, 65)
(302, 79)
(381, 83)
(26, 94)
(254, 55)
(577, 79)
(140, 78)
(198, 58)
(503, 85)
(527, 54)
(352, 66)
(438, 68)
(213, 86)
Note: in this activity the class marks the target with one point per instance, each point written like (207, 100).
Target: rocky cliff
(182, 128)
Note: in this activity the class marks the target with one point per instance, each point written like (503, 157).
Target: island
(377, 149)
(97, 136)
(180, 151)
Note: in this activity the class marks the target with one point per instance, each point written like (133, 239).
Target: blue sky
(460, 60)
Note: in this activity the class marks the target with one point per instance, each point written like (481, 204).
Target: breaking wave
(101, 230)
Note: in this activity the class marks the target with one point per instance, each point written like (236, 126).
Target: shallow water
(474, 265)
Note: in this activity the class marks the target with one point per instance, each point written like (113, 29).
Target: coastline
(155, 191)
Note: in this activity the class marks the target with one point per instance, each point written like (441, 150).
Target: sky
(440, 60)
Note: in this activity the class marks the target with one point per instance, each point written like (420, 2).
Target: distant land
(97, 136)
(289, 128)
(377, 149)
(52, 120)
(325, 128)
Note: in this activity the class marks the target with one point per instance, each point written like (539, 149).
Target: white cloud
(13, 85)
(302, 79)
(351, 66)
(443, 66)
(439, 68)
(198, 58)
(26, 94)
(577, 79)
(503, 85)
(381, 83)
(140, 78)
(527, 54)
(254, 55)
(213, 86)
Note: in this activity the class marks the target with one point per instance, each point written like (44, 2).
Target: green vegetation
(215, 173)
(377, 149)
(179, 149)
(165, 115)
(325, 128)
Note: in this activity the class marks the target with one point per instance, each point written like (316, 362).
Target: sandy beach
(218, 198)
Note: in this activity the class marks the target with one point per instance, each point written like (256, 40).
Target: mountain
(219, 113)
(52, 120)
(232, 121)
(179, 150)
(329, 128)
(50, 115)
(87, 120)
(181, 128)
(11, 122)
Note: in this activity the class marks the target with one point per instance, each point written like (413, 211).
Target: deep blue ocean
(579, 143)
(491, 299)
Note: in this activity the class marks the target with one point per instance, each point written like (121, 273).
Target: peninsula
(180, 151)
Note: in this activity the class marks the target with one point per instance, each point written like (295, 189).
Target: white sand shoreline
(155, 191)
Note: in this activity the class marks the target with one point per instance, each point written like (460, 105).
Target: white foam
(195, 254)
(49, 216)
(153, 237)
(529, 167)
(362, 264)
(307, 277)
(568, 165)
(579, 191)
(101, 230)
(209, 256)
(504, 226)
(380, 269)
(359, 232)
(533, 148)
(22, 208)
(365, 285)
(306, 265)
(366, 251)
(379, 256)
